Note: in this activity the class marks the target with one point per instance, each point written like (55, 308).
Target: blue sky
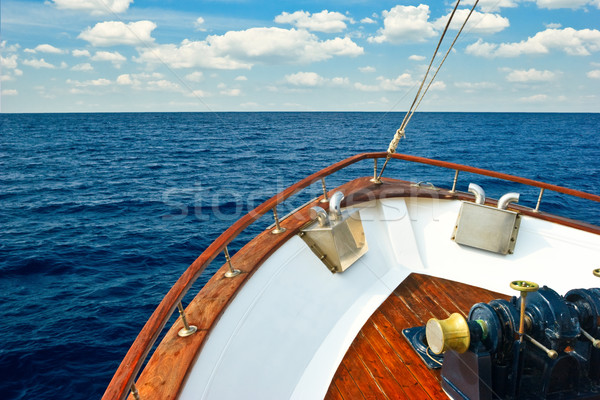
(352, 55)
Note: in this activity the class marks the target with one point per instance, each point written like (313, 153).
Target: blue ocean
(101, 213)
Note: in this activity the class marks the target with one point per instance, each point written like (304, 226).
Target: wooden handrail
(124, 377)
(493, 174)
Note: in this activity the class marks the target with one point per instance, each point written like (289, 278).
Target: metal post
(375, 178)
(325, 199)
(232, 271)
(537, 206)
(187, 330)
(134, 392)
(454, 182)
(278, 228)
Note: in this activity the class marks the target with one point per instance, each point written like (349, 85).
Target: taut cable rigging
(419, 97)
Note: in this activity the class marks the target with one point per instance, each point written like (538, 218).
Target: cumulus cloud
(536, 98)
(415, 57)
(368, 68)
(312, 79)
(9, 62)
(573, 42)
(39, 63)
(196, 76)
(594, 74)
(80, 53)
(83, 67)
(402, 81)
(478, 22)
(241, 78)
(94, 7)
(530, 75)
(231, 92)
(112, 33)
(199, 24)
(324, 21)
(114, 57)
(242, 49)
(45, 48)
(93, 82)
(405, 24)
(368, 20)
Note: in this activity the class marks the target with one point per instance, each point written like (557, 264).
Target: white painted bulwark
(286, 331)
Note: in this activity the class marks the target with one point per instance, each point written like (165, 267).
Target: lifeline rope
(418, 98)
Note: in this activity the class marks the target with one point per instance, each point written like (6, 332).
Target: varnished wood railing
(125, 375)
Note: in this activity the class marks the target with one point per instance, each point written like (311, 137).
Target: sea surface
(101, 213)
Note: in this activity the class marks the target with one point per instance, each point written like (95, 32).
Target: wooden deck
(380, 363)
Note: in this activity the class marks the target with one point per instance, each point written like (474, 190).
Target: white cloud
(198, 24)
(9, 92)
(196, 76)
(405, 24)
(125, 79)
(93, 82)
(339, 81)
(415, 57)
(112, 33)
(324, 21)
(231, 92)
(368, 68)
(241, 78)
(594, 74)
(45, 48)
(199, 93)
(310, 79)
(491, 5)
(403, 81)
(573, 42)
(80, 53)
(478, 22)
(553, 25)
(138, 79)
(368, 20)
(114, 57)
(530, 75)
(41, 63)
(536, 98)
(94, 7)
(83, 67)
(573, 4)
(163, 84)
(241, 49)
(9, 62)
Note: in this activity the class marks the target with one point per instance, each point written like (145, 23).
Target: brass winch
(538, 346)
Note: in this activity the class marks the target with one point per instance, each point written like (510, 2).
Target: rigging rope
(418, 97)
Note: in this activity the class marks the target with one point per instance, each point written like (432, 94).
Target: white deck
(285, 333)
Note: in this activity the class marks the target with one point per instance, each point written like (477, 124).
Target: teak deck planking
(380, 363)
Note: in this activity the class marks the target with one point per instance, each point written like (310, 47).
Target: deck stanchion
(325, 199)
(454, 182)
(375, 179)
(278, 228)
(187, 329)
(134, 392)
(232, 271)
(537, 206)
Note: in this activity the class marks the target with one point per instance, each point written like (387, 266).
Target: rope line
(400, 133)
